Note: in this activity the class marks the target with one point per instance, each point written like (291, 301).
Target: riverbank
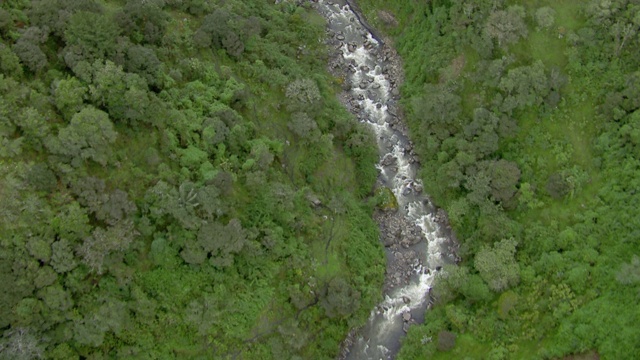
(416, 236)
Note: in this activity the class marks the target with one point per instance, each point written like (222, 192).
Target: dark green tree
(143, 20)
(88, 137)
(28, 49)
(446, 340)
(56, 298)
(222, 241)
(89, 37)
(34, 126)
(125, 95)
(557, 186)
(439, 110)
(524, 86)
(144, 62)
(222, 30)
(505, 176)
(96, 248)
(9, 62)
(214, 132)
(91, 193)
(303, 126)
(55, 14)
(69, 95)
(340, 298)
(116, 208)
(233, 44)
(6, 23)
(62, 257)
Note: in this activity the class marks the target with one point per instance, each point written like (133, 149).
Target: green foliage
(143, 21)
(340, 299)
(303, 95)
(506, 26)
(89, 135)
(28, 49)
(545, 17)
(154, 173)
(303, 126)
(386, 200)
(123, 94)
(531, 139)
(446, 340)
(497, 266)
(9, 62)
(524, 86)
(89, 36)
(55, 15)
(222, 29)
(69, 96)
(6, 23)
(144, 62)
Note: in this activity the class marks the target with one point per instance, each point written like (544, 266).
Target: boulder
(313, 200)
(406, 316)
(388, 160)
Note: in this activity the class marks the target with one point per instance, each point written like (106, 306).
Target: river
(416, 238)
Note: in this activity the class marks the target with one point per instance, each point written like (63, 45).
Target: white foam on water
(360, 55)
(386, 320)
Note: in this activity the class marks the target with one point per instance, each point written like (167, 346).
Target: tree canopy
(154, 166)
(524, 116)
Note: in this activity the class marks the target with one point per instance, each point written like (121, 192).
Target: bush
(557, 187)
(545, 17)
(303, 94)
(446, 340)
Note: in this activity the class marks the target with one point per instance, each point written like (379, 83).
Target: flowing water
(415, 242)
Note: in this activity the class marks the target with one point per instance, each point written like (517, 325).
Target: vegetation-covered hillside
(178, 180)
(526, 115)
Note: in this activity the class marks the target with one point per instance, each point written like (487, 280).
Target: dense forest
(526, 115)
(179, 180)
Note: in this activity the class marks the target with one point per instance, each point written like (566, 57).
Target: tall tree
(506, 26)
(88, 137)
(28, 49)
(89, 37)
(497, 265)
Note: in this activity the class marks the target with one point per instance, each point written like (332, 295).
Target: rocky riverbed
(417, 239)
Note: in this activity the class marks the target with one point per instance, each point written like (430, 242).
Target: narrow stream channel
(415, 236)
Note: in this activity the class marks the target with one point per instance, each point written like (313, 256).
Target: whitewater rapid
(372, 97)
